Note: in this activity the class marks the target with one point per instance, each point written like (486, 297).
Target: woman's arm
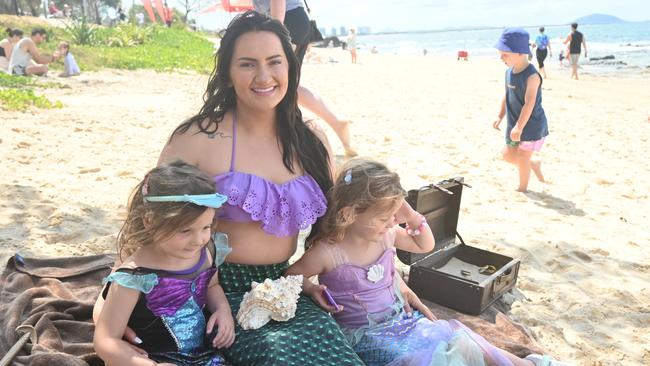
(278, 8)
(110, 327)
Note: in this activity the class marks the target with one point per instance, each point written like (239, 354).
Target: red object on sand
(463, 54)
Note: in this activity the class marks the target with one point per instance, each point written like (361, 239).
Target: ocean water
(629, 43)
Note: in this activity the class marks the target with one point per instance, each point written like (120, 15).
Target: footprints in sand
(88, 170)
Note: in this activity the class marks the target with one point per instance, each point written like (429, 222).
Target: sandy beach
(585, 272)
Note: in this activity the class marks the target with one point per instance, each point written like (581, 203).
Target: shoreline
(67, 174)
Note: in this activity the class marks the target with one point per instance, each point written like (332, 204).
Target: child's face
(375, 221)
(189, 240)
(509, 58)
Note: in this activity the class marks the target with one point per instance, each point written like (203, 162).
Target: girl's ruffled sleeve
(221, 248)
(143, 283)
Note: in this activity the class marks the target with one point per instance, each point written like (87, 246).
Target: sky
(408, 15)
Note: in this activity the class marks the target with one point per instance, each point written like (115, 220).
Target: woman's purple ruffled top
(283, 209)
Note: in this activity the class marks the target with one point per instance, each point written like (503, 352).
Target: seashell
(375, 273)
(271, 299)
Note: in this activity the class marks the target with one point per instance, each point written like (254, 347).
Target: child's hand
(316, 293)
(515, 134)
(222, 319)
(405, 213)
(496, 124)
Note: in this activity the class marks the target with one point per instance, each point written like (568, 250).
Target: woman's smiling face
(259, 71)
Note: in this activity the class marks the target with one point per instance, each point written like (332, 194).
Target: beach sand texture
(66, 175)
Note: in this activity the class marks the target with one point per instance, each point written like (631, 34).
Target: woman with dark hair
(7, 46)
(250, 136)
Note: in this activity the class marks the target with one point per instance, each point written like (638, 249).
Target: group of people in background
(20, 55)
(575, 42)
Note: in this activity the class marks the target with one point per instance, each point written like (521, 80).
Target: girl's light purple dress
(381, 333)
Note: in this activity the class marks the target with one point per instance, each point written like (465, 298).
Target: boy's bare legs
(522, 158)
(536, 166)
(523, 162)
(315, 104)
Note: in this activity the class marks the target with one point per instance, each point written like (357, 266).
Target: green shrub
(22, 99)
(80, 31)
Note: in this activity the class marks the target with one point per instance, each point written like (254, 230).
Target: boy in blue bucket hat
(522, 103)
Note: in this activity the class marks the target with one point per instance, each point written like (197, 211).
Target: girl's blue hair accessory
(213, 200)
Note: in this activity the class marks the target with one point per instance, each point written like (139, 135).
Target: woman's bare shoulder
(195, 146)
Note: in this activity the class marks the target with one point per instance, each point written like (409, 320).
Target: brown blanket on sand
(56, 296)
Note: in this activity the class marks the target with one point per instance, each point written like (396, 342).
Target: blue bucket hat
(515, 40)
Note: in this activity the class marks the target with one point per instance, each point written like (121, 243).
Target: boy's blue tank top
(537, 127)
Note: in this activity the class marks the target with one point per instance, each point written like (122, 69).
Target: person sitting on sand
(70, 67)
(354, 258)
(7, 46)
(25, 51)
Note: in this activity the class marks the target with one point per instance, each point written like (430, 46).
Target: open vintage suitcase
(454, 274)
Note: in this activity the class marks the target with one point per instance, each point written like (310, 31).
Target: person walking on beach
(352, 44)
(25, 51)
(576, 41)
(292, 13)
(527, 126)
(542, 47)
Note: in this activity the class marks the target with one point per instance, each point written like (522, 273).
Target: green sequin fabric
(312, 337)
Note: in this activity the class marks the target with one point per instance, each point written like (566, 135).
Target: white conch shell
(271, 299)
(375, 273)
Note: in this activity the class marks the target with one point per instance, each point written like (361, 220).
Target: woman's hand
(316, 293)
(222, 319)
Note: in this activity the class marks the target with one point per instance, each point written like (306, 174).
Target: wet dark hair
(541, 29)
(14, 32)
(574, 25)
(39, 30)
(294, 136)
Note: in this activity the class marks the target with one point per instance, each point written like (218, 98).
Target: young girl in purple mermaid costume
(354, 258)
(167, 279)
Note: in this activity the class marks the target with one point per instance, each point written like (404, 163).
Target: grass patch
(14, 81)
(23, 99)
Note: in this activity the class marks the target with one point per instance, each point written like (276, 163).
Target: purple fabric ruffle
(283, 209)
(172, 293)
